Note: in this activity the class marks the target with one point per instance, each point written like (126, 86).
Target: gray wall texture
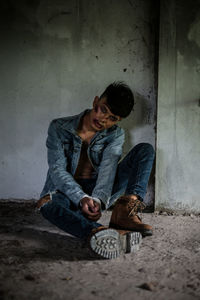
(178, 125)
(56, 56)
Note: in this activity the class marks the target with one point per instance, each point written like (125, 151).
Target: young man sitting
(86, 177)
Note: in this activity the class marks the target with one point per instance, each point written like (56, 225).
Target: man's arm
(57, 162)
(107, 170)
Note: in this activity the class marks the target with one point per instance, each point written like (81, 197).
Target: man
(85, 176)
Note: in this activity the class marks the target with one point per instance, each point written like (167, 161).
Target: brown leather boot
(110, 243)
(124, 216)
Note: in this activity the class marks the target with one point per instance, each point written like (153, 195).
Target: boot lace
(135, 206)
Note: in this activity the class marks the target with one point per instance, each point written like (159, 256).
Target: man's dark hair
(120, 99)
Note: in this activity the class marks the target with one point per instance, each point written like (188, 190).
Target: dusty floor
(38, 261)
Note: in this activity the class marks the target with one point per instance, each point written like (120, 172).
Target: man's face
(101, 117)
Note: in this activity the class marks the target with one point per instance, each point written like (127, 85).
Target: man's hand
(91, 209)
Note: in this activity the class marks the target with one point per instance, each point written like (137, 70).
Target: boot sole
(110, 244)
(144, 232)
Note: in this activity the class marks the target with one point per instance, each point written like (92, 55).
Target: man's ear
(96, 100)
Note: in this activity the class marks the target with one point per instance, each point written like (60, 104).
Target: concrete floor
(38, 261)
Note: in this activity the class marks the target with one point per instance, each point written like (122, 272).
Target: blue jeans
(131, 178)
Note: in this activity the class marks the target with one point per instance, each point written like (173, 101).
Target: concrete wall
(55, 57)
(178, 125)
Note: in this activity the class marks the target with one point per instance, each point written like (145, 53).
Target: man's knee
(146, 148)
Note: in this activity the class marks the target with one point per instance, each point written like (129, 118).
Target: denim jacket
(64, 147)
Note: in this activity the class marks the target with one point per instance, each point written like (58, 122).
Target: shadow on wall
(190, 50)
(143, 114)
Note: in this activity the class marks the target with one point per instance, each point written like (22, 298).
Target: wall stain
(59, 14)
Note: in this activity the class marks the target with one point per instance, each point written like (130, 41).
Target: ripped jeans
(131, 178)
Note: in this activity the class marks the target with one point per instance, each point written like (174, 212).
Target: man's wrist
(97, 200)
(84, 196)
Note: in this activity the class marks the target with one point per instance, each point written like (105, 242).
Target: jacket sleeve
(62, 180)
(107, 170)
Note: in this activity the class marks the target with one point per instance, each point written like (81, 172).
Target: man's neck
(85, 131)
(84, 125)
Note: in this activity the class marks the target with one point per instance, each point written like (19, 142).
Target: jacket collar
(71, 123)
